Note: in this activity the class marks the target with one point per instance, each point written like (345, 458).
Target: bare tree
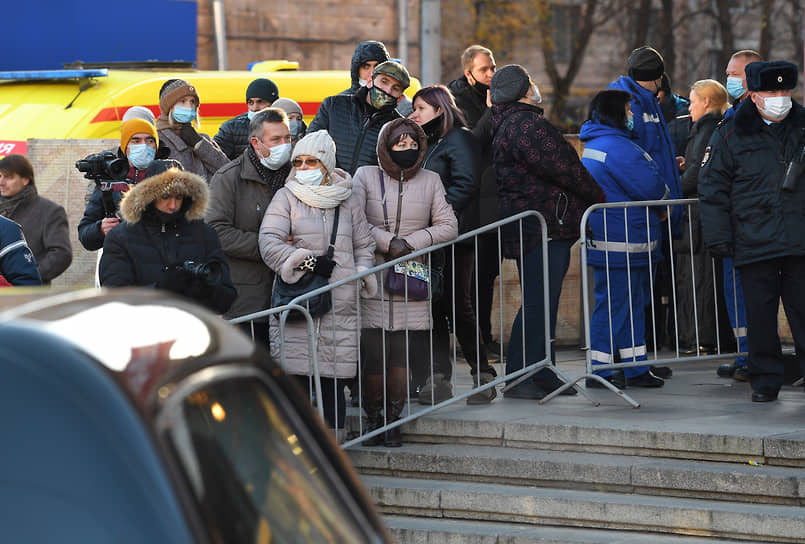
(764, 48)
(594, 13)
(641, 24)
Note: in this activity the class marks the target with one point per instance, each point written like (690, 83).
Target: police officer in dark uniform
(752, 198)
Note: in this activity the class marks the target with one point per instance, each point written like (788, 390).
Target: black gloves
(189, 135)
(720, 250)
(398, 247)
(321, 265)
(173, 279)
(324, 266)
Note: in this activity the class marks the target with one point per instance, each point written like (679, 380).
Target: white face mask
(776, 107)
(279, 155)
(536, 97)
(310, 177)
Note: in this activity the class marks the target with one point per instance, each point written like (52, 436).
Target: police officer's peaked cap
(395, 70)
(776, 75)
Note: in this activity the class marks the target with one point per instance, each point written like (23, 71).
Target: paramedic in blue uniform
(626, 245)
(752, 197)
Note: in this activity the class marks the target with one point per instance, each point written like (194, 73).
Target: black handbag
(317, 305)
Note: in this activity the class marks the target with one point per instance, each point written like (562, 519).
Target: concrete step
(644, 437)
(587, 509)
(408, 530)
(592, 471)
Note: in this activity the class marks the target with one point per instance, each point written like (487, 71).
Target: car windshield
(257, 474)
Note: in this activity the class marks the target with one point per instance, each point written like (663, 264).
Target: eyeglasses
(297, 162)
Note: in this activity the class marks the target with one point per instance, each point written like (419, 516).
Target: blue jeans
(534, 305)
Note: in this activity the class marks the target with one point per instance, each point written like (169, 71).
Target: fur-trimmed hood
(749, 121)
(173, 182)
(384, 157)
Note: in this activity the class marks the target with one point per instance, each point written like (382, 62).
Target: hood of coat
(366, 51)
(384, 157)
(749, 121)
(174, 182)
(593, 128)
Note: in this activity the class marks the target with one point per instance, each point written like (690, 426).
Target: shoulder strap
(383, 200)
(331, 249)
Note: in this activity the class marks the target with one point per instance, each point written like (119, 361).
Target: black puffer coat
(469, 100)
(455, 157)
(698, 138)
(233, 136)
(354, 125)
(740, 187)
(147, 249)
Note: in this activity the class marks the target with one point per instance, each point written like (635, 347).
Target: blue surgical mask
(297, 128)
(250, 114)
(735, 86)
(141, 155)
(310, 177)
(278, 156)
(183, 115)
(630, 122)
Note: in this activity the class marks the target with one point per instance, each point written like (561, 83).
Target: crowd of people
(270, 202)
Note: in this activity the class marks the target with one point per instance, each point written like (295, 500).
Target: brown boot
(372, 403)
(396, 379)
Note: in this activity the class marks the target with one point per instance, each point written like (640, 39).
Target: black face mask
(478, 86)
(405, 159)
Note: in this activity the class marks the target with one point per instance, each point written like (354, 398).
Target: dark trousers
(257, 331)
(489, 260)
(531, 313)
(332, 399)
(466, 329)
(764, 284)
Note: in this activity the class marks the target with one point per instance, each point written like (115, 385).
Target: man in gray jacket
(239, 195)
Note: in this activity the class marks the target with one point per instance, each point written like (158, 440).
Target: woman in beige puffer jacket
(303, 211)
(415, 199)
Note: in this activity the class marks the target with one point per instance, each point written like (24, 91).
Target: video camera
(109, 172)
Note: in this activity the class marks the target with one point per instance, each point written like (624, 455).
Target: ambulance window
(257, 473)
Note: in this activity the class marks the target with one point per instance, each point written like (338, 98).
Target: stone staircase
(584, 476)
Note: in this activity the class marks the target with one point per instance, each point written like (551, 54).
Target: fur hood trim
(170, 182)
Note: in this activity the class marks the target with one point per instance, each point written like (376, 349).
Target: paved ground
(694, 400)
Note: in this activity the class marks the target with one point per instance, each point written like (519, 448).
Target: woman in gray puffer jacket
(418, 217)
(304, 212)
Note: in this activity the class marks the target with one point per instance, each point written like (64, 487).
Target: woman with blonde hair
(708, 102)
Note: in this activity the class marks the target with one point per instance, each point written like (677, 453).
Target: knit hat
(645, 64)
(777, 75)
(287, 105)
(317, 144)
(509, 84)
(158, 166)
(173, 91)
(136, 126)
(139, 112)
(395, 70)
(262, 88)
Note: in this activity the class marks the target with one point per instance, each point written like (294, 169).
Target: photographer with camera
(113, 174)
(164, 242)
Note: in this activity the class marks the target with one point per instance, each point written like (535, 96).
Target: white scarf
(320, 196)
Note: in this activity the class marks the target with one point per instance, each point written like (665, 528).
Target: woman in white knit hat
(294, 239)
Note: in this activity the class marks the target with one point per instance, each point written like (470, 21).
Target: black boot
(395, 401)
(372, 402)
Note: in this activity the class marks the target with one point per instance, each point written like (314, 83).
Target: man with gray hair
(239, 195)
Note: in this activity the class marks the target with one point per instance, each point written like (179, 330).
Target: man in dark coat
(354, 121)
(233, 135)
(752, 194)
(43, 222)
(164, 242)
(17, 263)
(537, 169)
(471, 92)
(239, 196)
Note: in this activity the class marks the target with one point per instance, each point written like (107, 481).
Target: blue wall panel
(42, 34)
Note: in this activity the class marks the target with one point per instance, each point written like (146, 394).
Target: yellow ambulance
(89, 103)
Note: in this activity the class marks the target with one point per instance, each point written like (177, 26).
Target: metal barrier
(514, 378)
(632, 249)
